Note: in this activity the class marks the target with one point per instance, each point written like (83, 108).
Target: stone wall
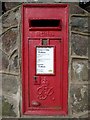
(10, 62)
(78, 81)
(10, 49)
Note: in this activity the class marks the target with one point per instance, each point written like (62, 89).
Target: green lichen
(7, 109)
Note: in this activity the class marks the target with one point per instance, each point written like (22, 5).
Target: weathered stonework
(4, 61)
(79, 63)
(10, 63)
(79, 98)
(80, 24)
(80, 70)
(89, 98)
(11, 95)
(0, 105)
(7, 108)
(9, 84)
(8, 42)
(76, 10)
(14, 61)
(8, 21)
(79, 45)
(10, 5)
(11, 19)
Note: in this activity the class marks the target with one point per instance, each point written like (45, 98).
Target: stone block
(8, 20)
(9, 84)
(79, 70)
(0, 85)
(79, 45)
(89, 47)
(11, 18)
(75, 9)
(9, 40)
(88, 69)
(0, 25)
(10, 45)
(10, 5)
(0, 42)
(4, 61)
(89, 98)
(79, 24)
(85, 116)
(7, 108)
(0, 105)
(79, 98)
(14, 62)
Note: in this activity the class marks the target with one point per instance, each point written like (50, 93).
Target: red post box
(45, 59)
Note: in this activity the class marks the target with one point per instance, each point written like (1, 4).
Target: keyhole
(35, 78)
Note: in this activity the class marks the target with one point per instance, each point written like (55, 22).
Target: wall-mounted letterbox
(45, 59)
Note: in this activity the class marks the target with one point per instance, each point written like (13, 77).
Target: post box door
(45, 75)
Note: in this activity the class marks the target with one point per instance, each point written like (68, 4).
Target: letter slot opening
(42, 24)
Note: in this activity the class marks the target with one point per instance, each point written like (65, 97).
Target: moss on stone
(7, 109)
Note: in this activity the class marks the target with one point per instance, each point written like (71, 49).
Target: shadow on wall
(9, 5)
(85, 5)
(3, 8)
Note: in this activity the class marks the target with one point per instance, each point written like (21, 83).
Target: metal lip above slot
(46, 28)
(51, 38)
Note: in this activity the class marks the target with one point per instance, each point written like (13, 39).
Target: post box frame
(25, 88)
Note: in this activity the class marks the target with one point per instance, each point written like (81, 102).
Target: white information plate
(44, 60)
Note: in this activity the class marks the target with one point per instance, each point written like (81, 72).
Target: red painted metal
(45, 94)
